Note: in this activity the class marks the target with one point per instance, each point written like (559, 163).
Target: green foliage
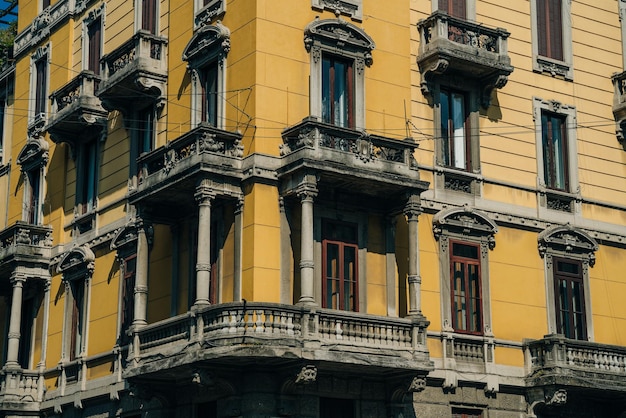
(7, 36)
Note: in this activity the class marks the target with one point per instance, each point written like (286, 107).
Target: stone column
(141, 277)
(307, 194)
(412, 211)
(46, 319)
(13, 344)
(238, 250)
(203, 195)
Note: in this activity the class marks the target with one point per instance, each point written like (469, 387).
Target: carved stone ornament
(77, 260)
(209, 11)
(339, 34)
(568, 239)
(34, 153)
(465, 221)
(352, 8)
(125, 237)
(307, 375)
(210, 42)
(418, 384)
(558, 398)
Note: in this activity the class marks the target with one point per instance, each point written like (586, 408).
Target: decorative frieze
(352, 8)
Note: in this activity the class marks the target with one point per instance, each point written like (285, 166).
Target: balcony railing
(619, 106)
(559, 360)
(450, 44)
(241, 325)
(204, 143)
(75, 107)
(25, 239)
(135, 72)
(20, 386)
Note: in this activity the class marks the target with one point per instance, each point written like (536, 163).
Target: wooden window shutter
(556, 30)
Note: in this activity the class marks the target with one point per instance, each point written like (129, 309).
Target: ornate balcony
(25, 249)
(168, 175)
(348, 159)
(76, 110)
(280, 336)
(449, 45)
(560, 368)
(619, 106)
(135, 74)
(21, 390)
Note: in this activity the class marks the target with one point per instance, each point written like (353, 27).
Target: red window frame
(550, 28)
(569, 298)
(466, 413)
(77, 319)
(334, 297)
(466, 305)
(94, 36)
(456, 8)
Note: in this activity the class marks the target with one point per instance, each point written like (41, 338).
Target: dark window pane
(337, 91)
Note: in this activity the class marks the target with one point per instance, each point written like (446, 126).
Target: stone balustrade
(21, 385)
(386, 340)
(214, 143)
(574, 362)
(24, 240)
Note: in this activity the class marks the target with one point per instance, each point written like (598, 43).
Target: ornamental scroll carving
(568, 240)
(465, 221)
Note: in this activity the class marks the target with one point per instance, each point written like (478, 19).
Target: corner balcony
(237, 335)
(168, 176)
(576, 365)
(135, 74)
(21, 390)
(619, 106)
(77, 113)
(449, 45)
(25, 249)
(348, 159)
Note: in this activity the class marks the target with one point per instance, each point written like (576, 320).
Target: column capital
(307, 192)
(239, 205)
(204, 194)
(18, 279)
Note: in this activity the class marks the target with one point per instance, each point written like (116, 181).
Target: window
(45, 4)
(77, 267)
(568, 254)
(337, 91)
(552, 37)
(26, 332)
(337, 408)
(554, 143)
(143, 138)
(206, 55)
(465, 288)
(340, 266)
(465, 237)
(339, 54)
(2, 133)
(87, 177)
(94, 45)
(41, 74)
(128, 268)
(32, 197)
(570, 300)
(455, 140)
(550, 29)
(456, 8)
(77, 320)
(208, 90)
(555, 127)
(149, 16)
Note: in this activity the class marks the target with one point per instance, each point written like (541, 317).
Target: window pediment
(568, 241)
(125, 237)
(34, 153)
(465, 221)
(208, 43)
(339, 34)
(77, 263)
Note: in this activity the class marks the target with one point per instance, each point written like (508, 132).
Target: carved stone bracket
(418, 384)
(308, 374)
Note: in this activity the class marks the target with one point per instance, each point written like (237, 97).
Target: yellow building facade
(314, 208)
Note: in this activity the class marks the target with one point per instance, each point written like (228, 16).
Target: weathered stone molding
(351, 8)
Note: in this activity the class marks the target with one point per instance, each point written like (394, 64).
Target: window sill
(554, 67)
(455, 180)
(559, 201)
(85, 222)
